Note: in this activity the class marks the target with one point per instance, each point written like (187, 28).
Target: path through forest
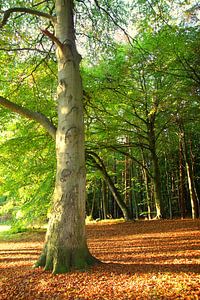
(143, 260)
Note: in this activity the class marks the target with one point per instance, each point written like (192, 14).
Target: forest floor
(143, 260)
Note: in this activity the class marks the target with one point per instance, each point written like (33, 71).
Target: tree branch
(34, 12)
(126, 153)
(32, 115)
(52, 37)
(23, 49)
(129, 38)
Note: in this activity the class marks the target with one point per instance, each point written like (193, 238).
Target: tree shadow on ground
(131, 268)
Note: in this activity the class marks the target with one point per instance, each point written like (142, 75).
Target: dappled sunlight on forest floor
(142, 260)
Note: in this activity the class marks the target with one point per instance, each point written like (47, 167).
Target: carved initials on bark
(62, 88)
(71, 134)
(64, 174)
(72, 195)
(73, 108)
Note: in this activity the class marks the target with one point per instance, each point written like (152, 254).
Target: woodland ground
(143, 260)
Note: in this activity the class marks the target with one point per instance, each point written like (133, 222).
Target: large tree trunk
(156, 179)
(65, 246)
(146, 184)
(157, 186)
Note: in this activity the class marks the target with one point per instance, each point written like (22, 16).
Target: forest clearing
(141, 260)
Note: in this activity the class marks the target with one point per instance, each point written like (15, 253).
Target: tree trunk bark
(156, 173)
(104, 200)
(190, 175)
(156, 178)
(135, 211)
(146, 183)
(127, 183)
(157, 186)
(65, 245)
(182, 200)
(168, 188)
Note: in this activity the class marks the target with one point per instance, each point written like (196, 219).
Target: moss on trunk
(63, 260)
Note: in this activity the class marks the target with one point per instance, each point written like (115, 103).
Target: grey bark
(189, 171)
(156, 169)
(65, 246)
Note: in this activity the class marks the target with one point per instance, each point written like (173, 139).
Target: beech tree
(65, 244)
(133, 100)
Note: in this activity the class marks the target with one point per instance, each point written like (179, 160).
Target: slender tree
(99, 164)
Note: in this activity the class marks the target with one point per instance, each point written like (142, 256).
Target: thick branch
(52, 37)
(34, 12)
(32, 115)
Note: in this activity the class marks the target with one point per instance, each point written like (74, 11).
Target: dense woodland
(141, 89)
